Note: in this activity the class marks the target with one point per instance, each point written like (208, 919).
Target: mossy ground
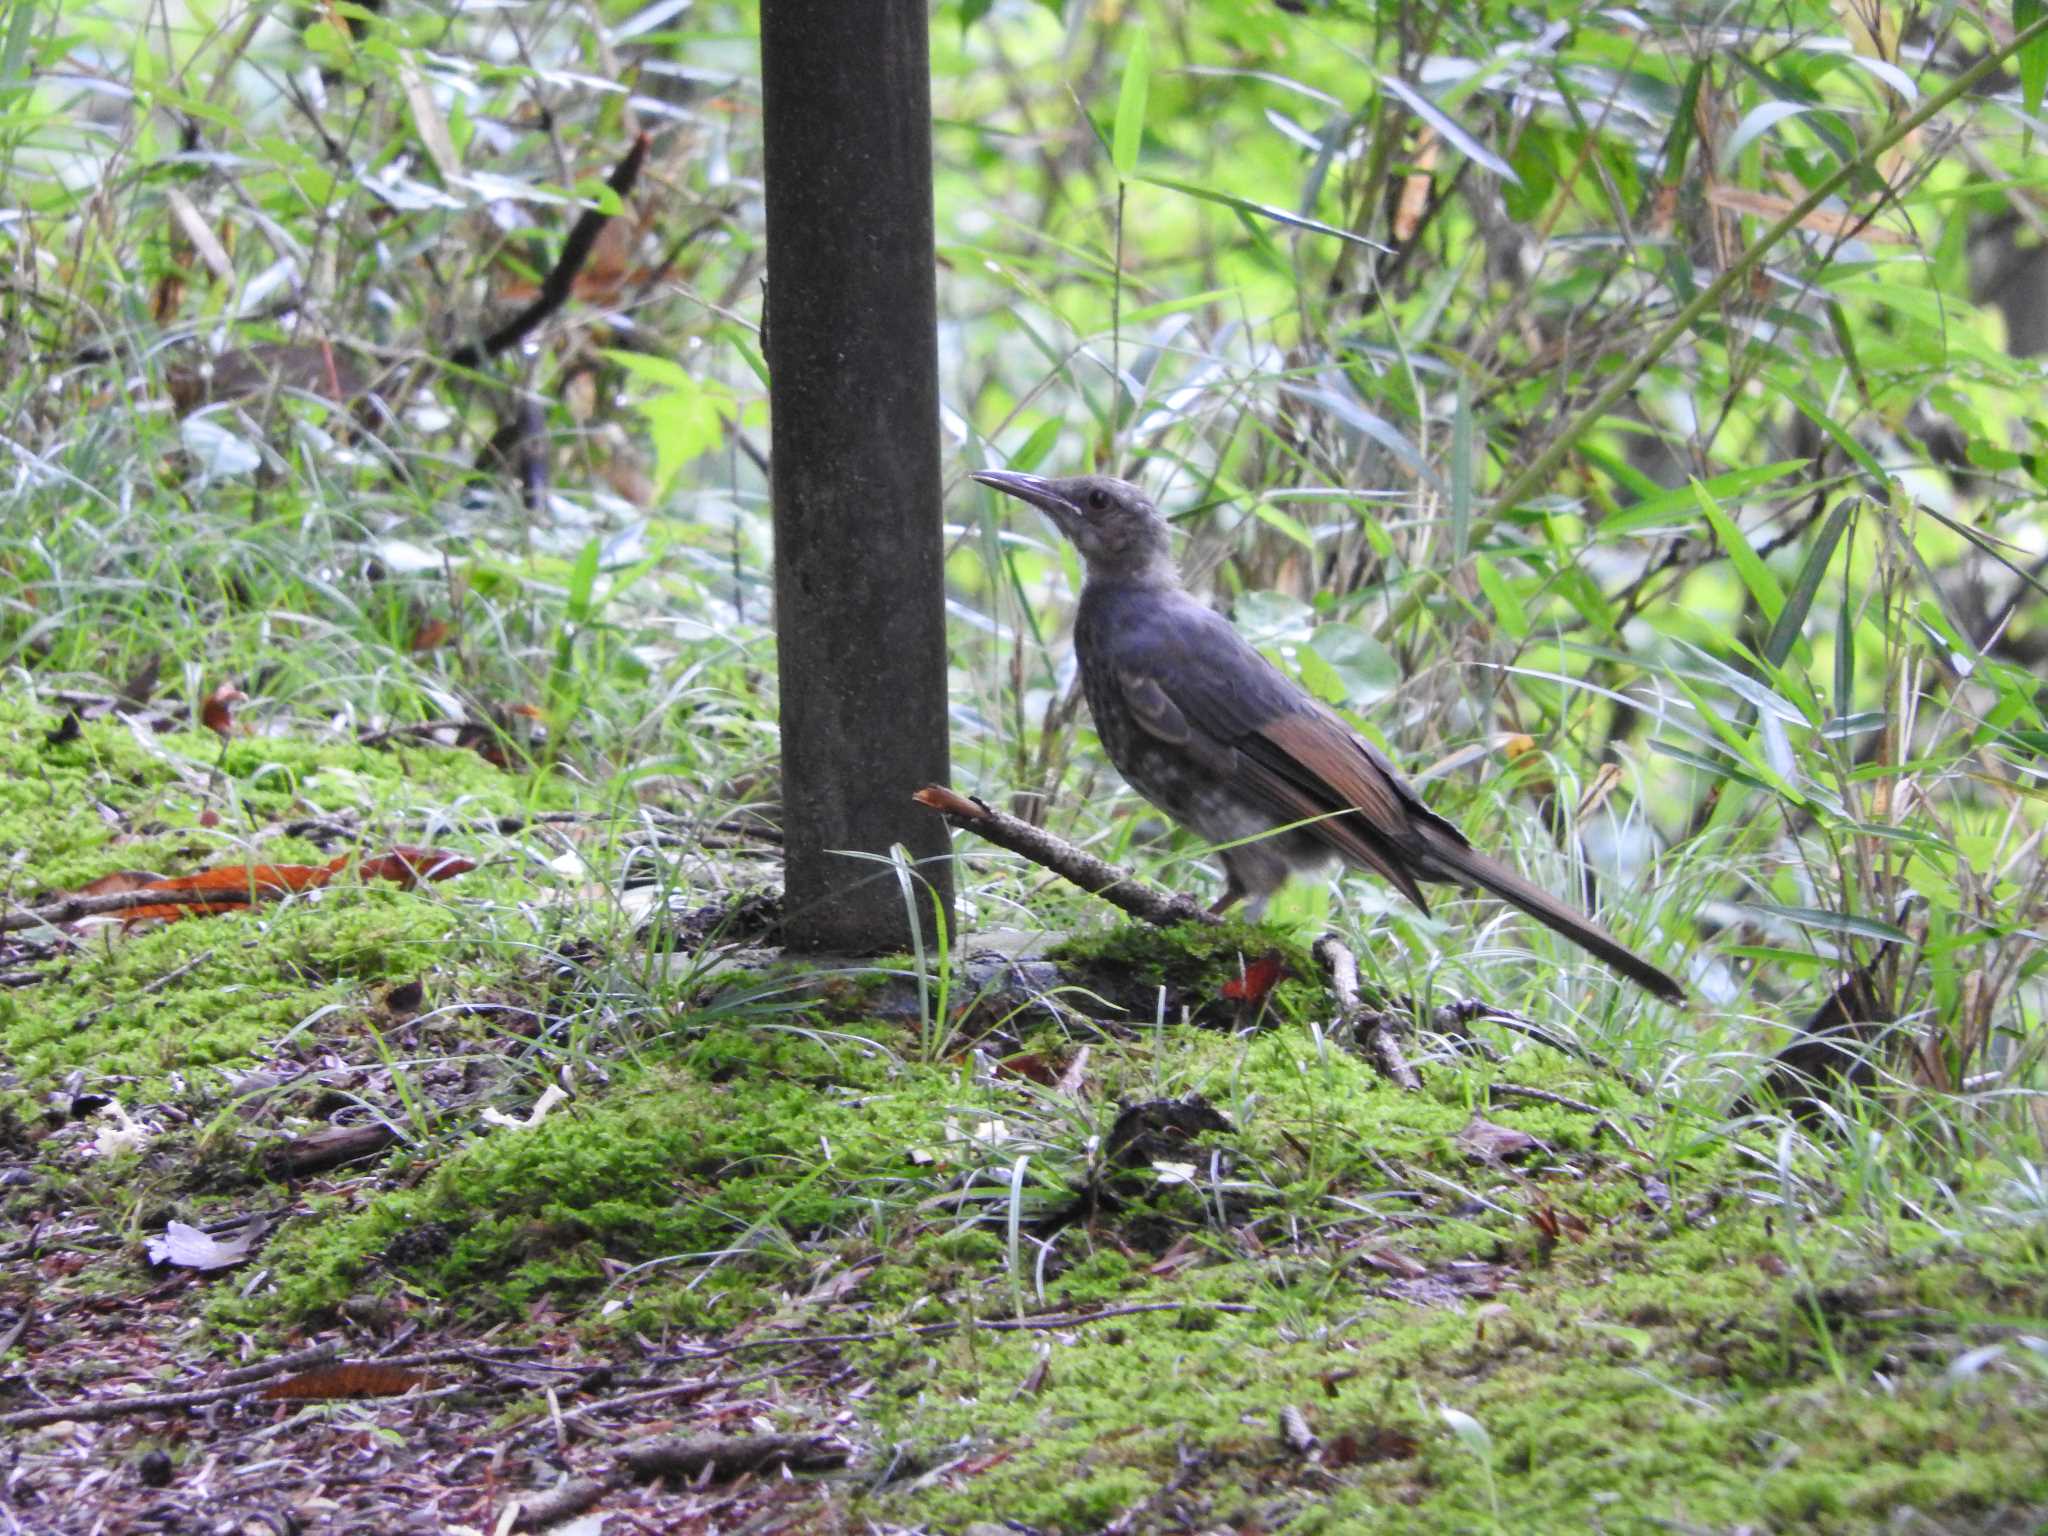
(1684, 1329)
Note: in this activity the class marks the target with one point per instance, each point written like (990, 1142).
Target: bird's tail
(1467, 865)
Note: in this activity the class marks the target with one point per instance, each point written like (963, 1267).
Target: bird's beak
(1039, 492)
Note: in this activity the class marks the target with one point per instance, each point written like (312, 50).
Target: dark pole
(853, 363)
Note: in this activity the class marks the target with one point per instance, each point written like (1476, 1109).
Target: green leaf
(1845, 654)
(1792, 617)
(1535, 180)
(2033, 60)
(1037, 446)
(1318, 676)
(1667, 506)
(1263, 211)
(1130, 104)
(1507, 607)
(1273, 517)
(1706, 765)
(1366, 669)
(1449, 130)
(583, 582)
(1760, 121)
(1829, 922)
(1756, 576)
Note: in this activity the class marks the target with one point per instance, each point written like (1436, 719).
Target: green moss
(221, 990)
(726, 1180)
(1613, 1404)
(1129, 962)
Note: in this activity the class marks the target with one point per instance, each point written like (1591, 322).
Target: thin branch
(1093, 875)
(561, 278)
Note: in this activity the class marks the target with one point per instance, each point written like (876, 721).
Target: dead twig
(561, 279)
(1370, 1027)
(72, 908)
(1096, 876)
(1544, 1096)
(727, 1456)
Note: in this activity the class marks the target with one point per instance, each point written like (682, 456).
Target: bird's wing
(1193, 681)
(1196, 684)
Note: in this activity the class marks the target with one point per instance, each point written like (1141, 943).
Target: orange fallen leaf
(229, 887)
(408, 866)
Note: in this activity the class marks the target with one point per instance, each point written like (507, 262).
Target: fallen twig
(72, 908)
(1544, 1096)
(727, 1456)
(1464, 1013)
(1096, 876)
(1370, 1027)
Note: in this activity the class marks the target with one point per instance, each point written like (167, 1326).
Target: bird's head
(1113, 523)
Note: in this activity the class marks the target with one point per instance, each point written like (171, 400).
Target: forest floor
(449, 1155)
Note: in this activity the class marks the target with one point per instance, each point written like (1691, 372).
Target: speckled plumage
(1208, 730)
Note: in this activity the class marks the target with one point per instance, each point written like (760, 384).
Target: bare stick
(1372, 1028)
(1093, 875)
(72, 908)
(561, 279)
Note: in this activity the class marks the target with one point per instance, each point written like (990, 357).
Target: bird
(1226, 744)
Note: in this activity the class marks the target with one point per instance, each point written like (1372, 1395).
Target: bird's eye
(1098, 501)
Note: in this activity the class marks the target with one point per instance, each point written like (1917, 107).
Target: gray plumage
(1208, 730)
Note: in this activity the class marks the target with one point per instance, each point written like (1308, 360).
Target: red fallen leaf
(430, 634)
(1258, 979)
(408, 866)
(347, 1381)
(215, 715)
(229, 887)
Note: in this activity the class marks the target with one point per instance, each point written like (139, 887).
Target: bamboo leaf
(1130, 104)
(1792, 617)
(1756, 576)
(1456, 136)
(1250, 209)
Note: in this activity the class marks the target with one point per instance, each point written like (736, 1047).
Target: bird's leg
(1233, 892)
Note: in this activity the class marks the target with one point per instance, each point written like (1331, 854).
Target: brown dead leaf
(229, 887)
(1821, 221)
(120, 880)
(408, 866)
(430, 635)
